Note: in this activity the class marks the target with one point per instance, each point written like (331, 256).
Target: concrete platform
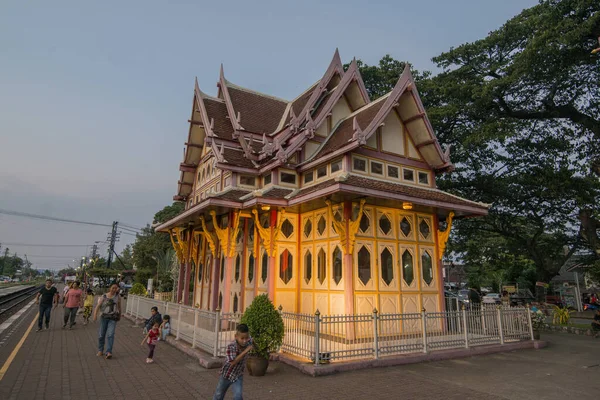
(61, 364)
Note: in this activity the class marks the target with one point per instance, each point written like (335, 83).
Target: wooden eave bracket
(443, 236)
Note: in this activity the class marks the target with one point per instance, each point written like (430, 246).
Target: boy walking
(232, 373)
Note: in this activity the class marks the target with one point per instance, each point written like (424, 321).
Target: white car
(492, 298)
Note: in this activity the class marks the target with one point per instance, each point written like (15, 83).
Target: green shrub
(265, 325)
(138, 289)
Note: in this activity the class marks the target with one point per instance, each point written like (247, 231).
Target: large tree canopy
(521, 111)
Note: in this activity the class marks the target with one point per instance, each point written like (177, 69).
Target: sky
(95, 96)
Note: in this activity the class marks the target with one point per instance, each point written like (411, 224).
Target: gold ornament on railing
(443, 236)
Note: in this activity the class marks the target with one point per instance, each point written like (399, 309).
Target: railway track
(11, 302)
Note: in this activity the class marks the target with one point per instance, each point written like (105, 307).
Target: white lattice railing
(326, 338)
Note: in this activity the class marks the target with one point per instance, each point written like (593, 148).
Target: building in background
(324, 202)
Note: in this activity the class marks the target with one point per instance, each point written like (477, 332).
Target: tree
(150, 245)
(520, 109)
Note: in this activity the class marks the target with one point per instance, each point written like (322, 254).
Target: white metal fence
(326, 338)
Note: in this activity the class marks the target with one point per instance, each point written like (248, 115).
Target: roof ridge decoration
(335, 66)
(210, 134)
(351, 75)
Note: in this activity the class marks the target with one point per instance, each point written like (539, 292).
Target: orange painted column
(272, 273)
(186, 283)
(180, 279)
(348, 265)
(214, 282)
(440, 274)
(227, 284)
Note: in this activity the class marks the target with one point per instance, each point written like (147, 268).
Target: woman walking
(73, 300)
(109, 305)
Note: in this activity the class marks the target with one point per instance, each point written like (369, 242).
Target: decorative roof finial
(358, 135)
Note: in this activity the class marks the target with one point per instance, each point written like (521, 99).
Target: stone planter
(257, 366)
(536, 335)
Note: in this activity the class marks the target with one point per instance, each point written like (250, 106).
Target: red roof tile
(407, 190)
(217, 110)
(234, 195)
(277, 193)
(258, 113)
(236, 157)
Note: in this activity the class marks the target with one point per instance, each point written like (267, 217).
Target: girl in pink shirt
(152, 339)
(73, 300)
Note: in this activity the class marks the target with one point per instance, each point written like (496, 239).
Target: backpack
(110, 308)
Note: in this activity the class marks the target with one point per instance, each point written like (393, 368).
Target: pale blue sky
(95, 96)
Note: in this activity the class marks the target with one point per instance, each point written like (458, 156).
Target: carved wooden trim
(353, 227)
(210, 237)
(222, 234)
(443, 236)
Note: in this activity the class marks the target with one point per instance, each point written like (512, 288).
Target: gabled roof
(358, 127)
(252, 132)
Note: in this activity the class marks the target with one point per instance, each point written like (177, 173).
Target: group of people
(108, 308)
(156, 328)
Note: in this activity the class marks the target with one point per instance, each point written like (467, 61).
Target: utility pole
(112, 238)
(94, 251)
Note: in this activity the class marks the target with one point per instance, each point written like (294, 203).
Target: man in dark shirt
(49, 295)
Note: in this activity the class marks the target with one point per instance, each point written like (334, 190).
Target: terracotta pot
(257, 366)
(536, 335)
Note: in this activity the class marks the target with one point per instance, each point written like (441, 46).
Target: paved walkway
(61, 364)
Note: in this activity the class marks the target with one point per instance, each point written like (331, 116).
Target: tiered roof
(253, 133)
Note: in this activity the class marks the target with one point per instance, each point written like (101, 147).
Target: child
(154, 317)
(151, 339)
(232, 373)
(165, 328)
(88, 304)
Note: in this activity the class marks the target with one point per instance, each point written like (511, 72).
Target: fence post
(280, 309)
(528, 311)
(137, 310)
(424, 323)
(375, 333)
(464, 322)
(483, 326)
(317, 335)
(217, 328)
(178, 323)
(500, 330)
(195, 324)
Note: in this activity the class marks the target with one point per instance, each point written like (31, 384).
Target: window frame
(354, 169)
(290, 173)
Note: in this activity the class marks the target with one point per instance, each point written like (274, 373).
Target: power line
(47, 218)
(44, 245)
(130, 226)
(59, 257)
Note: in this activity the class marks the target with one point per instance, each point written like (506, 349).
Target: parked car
(492, 298)
(463, 296)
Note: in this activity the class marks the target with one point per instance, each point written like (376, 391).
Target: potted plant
(265, 326)
(538, 320)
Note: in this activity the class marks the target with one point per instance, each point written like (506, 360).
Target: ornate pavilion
(326, 202)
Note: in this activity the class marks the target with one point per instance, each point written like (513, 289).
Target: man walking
(49, 296)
